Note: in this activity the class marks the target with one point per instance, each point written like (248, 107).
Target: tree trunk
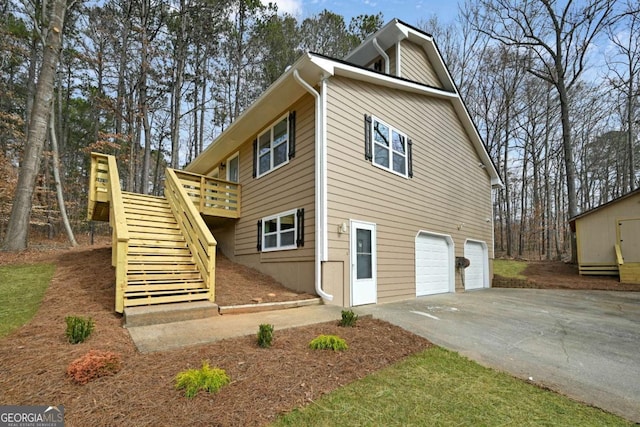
(56, 177)
(18, 227)
(177, 87)
(569, 165)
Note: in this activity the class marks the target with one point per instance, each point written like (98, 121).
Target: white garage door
(475, 274)
(433, 264)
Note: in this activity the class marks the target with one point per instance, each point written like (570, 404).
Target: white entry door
(363, 263)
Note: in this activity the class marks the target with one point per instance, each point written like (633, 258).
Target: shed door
(629, 232)
(475, 275)
(433, 264)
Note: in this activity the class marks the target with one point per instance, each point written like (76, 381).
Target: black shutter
(255, 158)
(259, 245)
(300, 236)
(367, 138)
(292, 135)
(410, 158)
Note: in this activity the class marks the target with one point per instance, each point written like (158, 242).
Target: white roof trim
(314, 68)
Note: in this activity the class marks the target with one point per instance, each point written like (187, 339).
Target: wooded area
(553, 87)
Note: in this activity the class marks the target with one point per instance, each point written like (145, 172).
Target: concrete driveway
(584, 344)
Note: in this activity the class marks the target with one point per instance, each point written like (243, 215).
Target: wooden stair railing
(104, 186)
(212, 196)
(619, 257)
(198, 236)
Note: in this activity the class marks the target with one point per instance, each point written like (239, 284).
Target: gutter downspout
(383, 54)
(320, 191)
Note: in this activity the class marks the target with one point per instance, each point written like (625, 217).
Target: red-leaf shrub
(94, 364)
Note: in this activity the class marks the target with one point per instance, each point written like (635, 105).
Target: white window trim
(389, 168)
(279, 247)
(270, 129)
(227, 168)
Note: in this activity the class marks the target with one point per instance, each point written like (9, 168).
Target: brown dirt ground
(265, 382)
(560, 275)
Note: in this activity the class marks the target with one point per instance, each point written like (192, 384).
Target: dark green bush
(265, 335)
(206, 378)
(78, 328)
(328, 342)
(349, 318)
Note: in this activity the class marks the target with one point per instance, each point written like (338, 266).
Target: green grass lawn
(22, 288)
(509, 268)
(441, 388)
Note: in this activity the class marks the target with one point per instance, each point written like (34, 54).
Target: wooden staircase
(160, 265)
(162, 250)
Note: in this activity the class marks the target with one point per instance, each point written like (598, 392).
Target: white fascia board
(357, 73)
(361, 74)
(277, 97)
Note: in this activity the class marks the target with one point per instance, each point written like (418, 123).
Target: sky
(411, 11)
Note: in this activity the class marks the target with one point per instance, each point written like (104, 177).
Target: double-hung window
(273, 147)
(282, 231)
(387, 147)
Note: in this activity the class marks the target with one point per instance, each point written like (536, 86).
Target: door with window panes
(363, 263)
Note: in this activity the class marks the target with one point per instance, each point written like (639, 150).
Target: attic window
(387, 147)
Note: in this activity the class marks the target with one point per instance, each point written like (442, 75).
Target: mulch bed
(265, 382)
(561, 275)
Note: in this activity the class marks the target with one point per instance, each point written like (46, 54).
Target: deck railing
(104, 186)
(199, 239)
(212, 196)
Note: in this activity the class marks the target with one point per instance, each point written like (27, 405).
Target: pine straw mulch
(561, 275)
(265, 382)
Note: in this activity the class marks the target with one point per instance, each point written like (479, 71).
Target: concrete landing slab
(169, 336)
(168, 313)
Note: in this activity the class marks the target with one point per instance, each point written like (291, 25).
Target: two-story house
(362, 179)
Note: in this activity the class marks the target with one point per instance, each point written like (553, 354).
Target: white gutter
(321, 188)
(383, 54)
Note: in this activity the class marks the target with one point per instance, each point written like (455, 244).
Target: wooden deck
(162, 249)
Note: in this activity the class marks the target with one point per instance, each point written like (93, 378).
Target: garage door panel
(433, 264)
(474, 275)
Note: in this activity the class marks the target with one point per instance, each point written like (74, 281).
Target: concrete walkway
(192, 332)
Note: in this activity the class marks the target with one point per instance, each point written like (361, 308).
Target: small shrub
(94, 364)
(349, 318)
(205, 378)
(265, 335)
(328, 342)
(78, 328)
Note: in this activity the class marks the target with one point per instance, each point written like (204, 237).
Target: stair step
(132, 302)
(157, 243)
(193, 277)
(168, 222)
(185, 287)
(168, 313)
(139, 250)
(158, 293)
(159, 259)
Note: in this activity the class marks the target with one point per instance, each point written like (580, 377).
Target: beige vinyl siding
(416, 66)
(448, 194)
(292, 186)
(597, 232)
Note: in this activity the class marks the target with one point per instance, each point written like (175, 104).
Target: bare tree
(18, 228)
(558, 35)
(625, 75)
